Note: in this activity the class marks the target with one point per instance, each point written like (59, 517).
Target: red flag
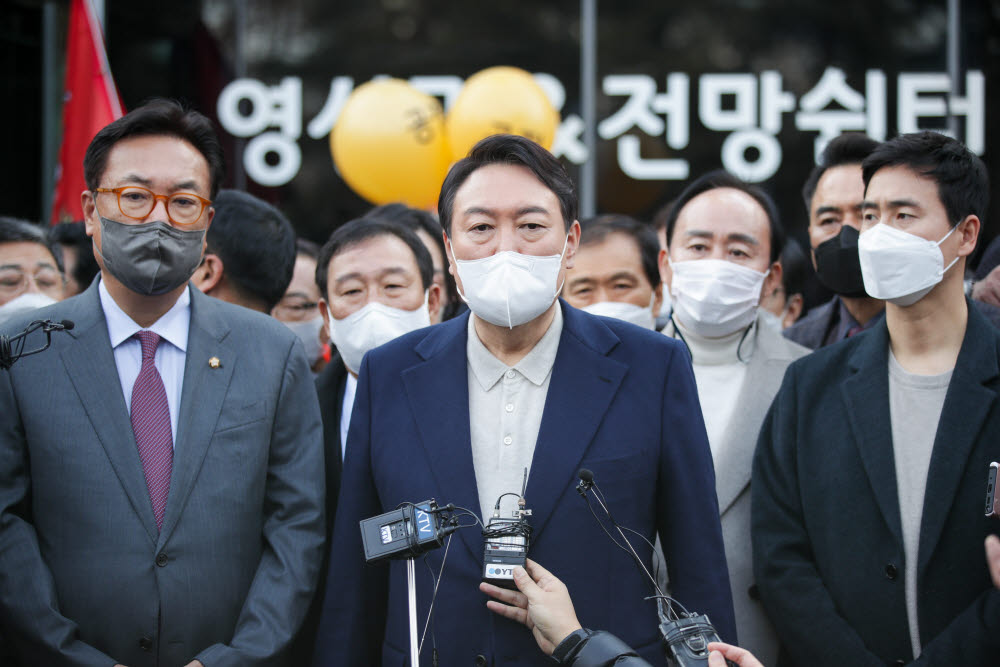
(91, 101)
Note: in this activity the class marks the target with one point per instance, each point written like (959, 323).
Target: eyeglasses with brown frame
(183, 208)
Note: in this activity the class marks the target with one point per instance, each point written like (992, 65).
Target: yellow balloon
(389, 144)
(500, 100)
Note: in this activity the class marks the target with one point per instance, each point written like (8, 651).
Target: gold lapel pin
(214, 362)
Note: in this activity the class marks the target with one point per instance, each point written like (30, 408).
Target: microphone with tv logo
(686, 635)
(12, 347)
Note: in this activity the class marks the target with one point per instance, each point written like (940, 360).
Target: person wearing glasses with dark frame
(163, 493)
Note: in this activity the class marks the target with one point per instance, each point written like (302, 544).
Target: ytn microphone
(686, 635)
(506, 541)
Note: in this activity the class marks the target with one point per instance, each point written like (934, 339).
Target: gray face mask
(152, 258)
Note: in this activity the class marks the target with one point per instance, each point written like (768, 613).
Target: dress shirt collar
(536, 365)
(172, 326)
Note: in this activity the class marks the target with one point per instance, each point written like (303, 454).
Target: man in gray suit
(161, 489)
(723, 244)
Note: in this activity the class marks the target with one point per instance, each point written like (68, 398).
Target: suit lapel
(584, 382)
(966, 406)
(202, 397)
(866, 396)
(734, 457)
(90, 364)
(438, 393)
(330, 387)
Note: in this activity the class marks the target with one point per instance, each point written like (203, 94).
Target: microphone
(62, 325)
(12, 347)
(686, 635)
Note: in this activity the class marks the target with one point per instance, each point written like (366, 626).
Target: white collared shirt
(505, 414)
(346, 409)
(172, 328)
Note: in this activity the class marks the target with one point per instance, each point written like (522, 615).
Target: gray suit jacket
(85, 578)
(733, 458)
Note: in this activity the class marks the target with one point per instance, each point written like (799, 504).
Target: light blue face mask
(151, 258)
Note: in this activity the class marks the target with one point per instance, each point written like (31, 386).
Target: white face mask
(898, 266)
(713, 297)
(308, 333)
(508, 289)
(628, 312)
(375, 324)
(23, 304)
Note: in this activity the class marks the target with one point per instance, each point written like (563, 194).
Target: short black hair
(361, 229)
(517, 151)
(596, 230)
(793, 268)
(714, 180)
(417, 219)
(848, 148)
(157, 117)
(15, 230)
(661, 215)
(412, 218)
(74, 234)
(256, 244)
(307, 248)
(962, 181)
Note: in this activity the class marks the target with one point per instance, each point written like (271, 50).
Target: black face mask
(837, 263)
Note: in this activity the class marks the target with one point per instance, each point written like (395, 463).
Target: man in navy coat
(870, 471)
(458, 411)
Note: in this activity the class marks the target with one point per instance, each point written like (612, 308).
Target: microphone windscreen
(586, 475)
(67, 324)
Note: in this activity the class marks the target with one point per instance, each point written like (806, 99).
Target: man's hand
(993, 558)
(721, 652)
(543, 604)
(988, 289)
(194, 663)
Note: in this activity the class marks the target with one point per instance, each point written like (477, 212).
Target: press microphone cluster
(686, 635)
(12, 347)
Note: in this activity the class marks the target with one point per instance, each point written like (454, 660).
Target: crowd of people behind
(182, 479)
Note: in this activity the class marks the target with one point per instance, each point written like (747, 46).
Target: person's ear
(657, 300)
(208, 275)
(968, 232)
(434, 302)
(572, 243)
(794, 307)
(773, 280)
(324, 312)
(666, 275)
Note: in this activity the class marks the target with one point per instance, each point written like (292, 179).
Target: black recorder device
(506, 546)
(506, 541)
(406, 532)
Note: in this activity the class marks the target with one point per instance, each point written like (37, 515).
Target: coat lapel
(438, 393)
(202, 397)
(90, 364)
(866, 396)
(734, 456)
(966, 406)
(584, 382)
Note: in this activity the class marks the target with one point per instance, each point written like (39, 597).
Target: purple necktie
(151, 425)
